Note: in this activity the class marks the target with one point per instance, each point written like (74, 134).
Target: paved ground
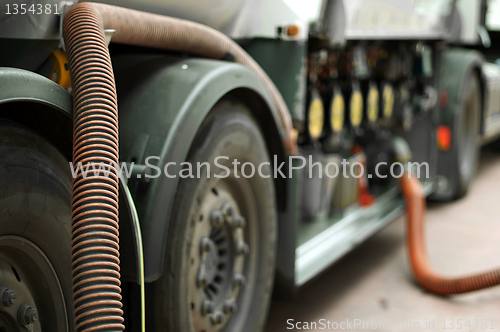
(373, 282)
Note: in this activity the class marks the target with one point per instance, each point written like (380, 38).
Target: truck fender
(456, 65)
(40, 104)
(162, 101)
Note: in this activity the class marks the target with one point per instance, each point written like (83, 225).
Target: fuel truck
(228, 119)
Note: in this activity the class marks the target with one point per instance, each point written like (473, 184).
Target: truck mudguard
(457, 65)
(162, 102)
(50, 104)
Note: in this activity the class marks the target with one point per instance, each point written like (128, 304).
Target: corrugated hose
(422, 271)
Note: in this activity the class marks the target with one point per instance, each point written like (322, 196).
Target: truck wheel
(35, 240)
(221, 245)
(467, 137)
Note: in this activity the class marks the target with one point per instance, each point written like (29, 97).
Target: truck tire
(219, 268)
(35, 238)
(467, 145)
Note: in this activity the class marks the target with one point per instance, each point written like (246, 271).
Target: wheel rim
(467, 135)
(31, 297)
(222, 265)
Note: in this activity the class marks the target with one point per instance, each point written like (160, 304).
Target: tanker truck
(250, 145)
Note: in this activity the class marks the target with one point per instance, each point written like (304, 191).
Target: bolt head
(238, 221)
(242, 248)
(230, 307)
(27, 315)
(32, 316)
(203, 280)
(239, 280)
(227, 211)
(217, 317)
(205, 244)
(207, 307)
(7, 297)
(216, 218)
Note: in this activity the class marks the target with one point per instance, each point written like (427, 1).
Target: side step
(333, 243)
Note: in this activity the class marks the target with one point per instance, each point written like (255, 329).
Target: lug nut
(242, 248)
(230, 307)
(239, 280)
(27, 315)
(227, 211)
(238, 222)
(217, 317)
(203, 280)
(205, 244)
(7, 297)
(207, 307)
(216, 218)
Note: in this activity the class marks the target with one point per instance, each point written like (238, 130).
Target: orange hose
(424, 274)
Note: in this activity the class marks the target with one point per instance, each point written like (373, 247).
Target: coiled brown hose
(424, 275)
(96, 277)
(96, 263)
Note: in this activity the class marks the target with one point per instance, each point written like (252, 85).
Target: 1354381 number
(35, 9)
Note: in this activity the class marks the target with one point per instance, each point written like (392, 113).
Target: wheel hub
(218, 271)
(28, 284)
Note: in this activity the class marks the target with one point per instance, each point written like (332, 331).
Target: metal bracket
(108, 33)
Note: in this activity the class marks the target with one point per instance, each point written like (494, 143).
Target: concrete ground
(373, 282)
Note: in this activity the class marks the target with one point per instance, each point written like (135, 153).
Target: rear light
(443, 138)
